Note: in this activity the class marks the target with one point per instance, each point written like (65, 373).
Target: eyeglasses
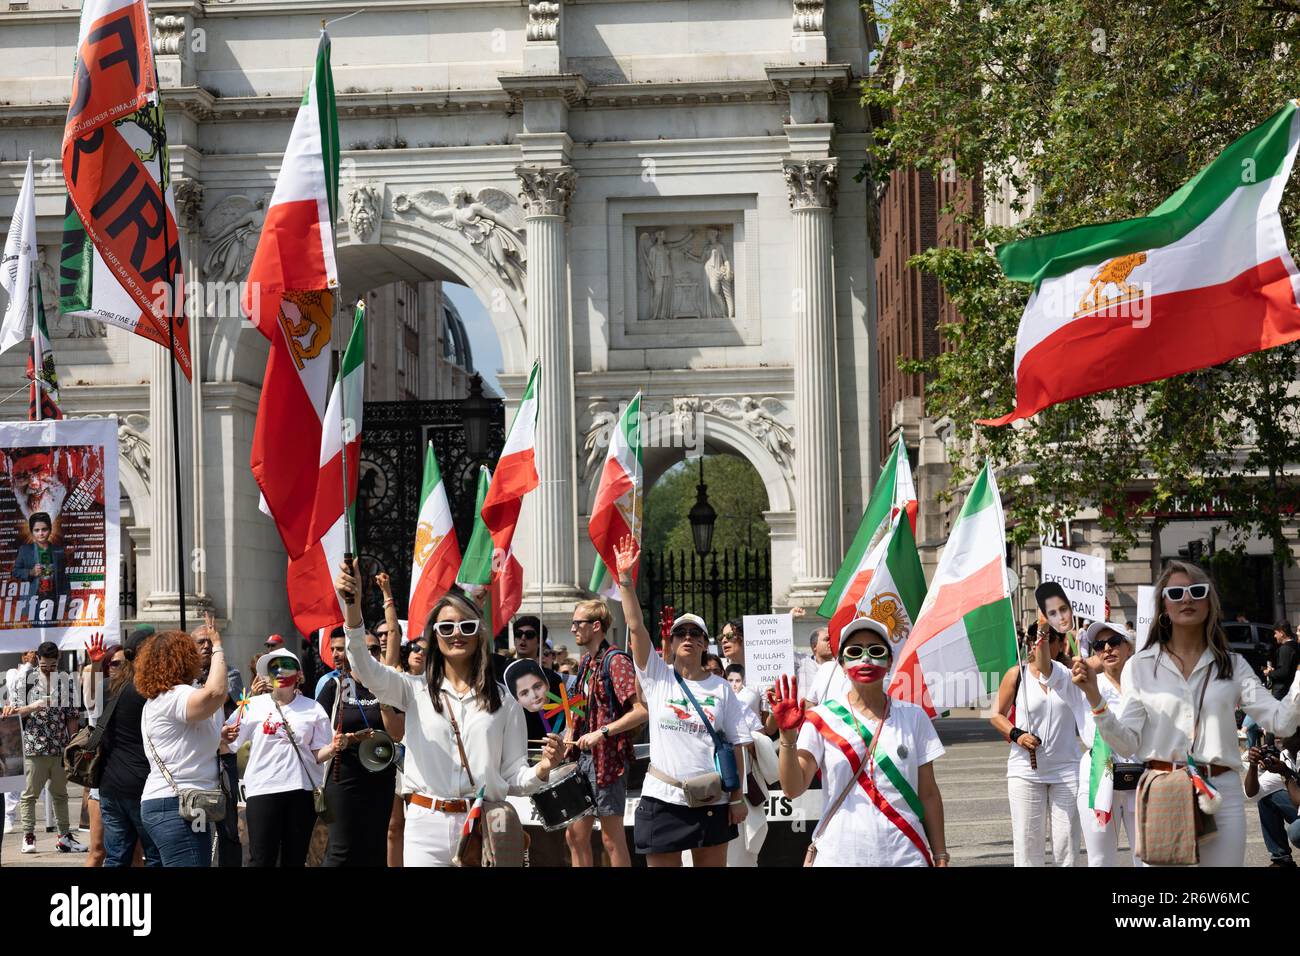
(419, 648)
(375, 650)
(578, 622)
(383, 633)
(1194, 592)
(691, 631)
(855, 652)
(1113, 641)
(448, 628)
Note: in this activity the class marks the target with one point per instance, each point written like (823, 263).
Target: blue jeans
(1254, 732)
(177, 843)
(1276, 814)
(122, 827)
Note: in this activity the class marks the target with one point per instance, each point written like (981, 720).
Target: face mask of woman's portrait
(527, 685)
(1055, 606)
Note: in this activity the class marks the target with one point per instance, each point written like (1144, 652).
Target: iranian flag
(312, 599)
(963, 639)
(894, 494)
(43, 400)
(896, 591)
(619, 498)
(1205, 278)
(516, 473)
(494, 577)
(290, 297)
(437, 555)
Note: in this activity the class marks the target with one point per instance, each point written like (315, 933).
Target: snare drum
(566, 797)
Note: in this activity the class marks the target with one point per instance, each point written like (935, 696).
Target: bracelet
(1099, 709)
(735, 803)
(786, 746)
(943, 857)
(390, 603)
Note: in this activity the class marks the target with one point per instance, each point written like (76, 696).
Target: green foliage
(736, 492)
(1107, 108)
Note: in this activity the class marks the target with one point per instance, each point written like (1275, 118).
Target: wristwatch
(604, 731)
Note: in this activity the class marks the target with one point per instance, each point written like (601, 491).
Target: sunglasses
(113, 664)
(688, 632)
(419, 648)
(374, 650)
(288, 667)
(1194, 592)
(525, 635)
(855, 652)
(1113, 641)
(577, 622)
(448, 628)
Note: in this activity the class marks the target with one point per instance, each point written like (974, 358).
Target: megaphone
(377, 752)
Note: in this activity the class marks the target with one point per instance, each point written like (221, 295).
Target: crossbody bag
(497, 838)
(724, 756)
(318, 798)
(83, 757)
(193, 805)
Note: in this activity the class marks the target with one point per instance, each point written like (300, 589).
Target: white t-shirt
(272, 765)
(753, 709)
(829, 683)
(859, 834)
(680, 746)
(1270, 782)
(188, 749)
(1054, 714)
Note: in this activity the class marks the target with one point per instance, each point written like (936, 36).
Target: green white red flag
(1205, 278)
(43, 401)
(963, 639)
(893, 495)
(895, 592)
(312, 598)
(619, 499)
(492, 576)
(437, 554)
(118, 173)
(516, 473)
(290, 297)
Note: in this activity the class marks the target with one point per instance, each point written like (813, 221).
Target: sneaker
(29, 843)
(68, 844)
(1286, 863)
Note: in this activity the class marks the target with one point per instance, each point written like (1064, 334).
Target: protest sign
(769, 649)
(1146, 611)
(1082, 577)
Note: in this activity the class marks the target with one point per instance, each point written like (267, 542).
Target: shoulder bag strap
(162, 766)
(460, 744)
(102, 726)
(292, 739)
(717, 741)
(839, 802)
(1196, 732)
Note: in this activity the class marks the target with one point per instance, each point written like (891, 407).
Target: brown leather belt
(438, 806)
(1215, 769)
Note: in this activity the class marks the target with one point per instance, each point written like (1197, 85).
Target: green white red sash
(840, 734)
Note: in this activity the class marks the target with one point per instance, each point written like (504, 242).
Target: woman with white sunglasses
(455, 707)
(1179, 696)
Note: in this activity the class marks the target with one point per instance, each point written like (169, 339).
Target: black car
(1254, 642)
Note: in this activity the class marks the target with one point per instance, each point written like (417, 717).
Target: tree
(1106, 109)
(736, 492)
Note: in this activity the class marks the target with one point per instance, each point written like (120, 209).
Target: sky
(482, 336)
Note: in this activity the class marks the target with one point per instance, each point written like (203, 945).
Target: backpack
(605, 674)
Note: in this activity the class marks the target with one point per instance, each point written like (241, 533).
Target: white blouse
(1155, 718)
(496, 744)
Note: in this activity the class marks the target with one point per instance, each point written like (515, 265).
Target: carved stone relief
(230, 234)
(365, 210)
(685, 272)
(491, 222)
(543, 21)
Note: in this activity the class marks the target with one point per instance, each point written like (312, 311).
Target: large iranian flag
(896, 591)
(290, 297)
(1203, 279)
(516, 473)
(963, 639)
(893, 495)
(617, 511)
(494, 577)
(437, 554)
(311, 575)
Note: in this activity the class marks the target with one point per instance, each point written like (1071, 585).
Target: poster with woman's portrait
(59, 534)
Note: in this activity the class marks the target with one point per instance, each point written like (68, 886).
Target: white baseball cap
(691, 619)
(863, 623)
(264, 662)
(1095, 629)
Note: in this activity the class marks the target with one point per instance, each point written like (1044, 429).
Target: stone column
(811, 184)
(545, 195)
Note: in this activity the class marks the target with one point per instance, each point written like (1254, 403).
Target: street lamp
(702, 516)
(477, 413)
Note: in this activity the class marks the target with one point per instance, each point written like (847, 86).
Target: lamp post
(703, 517)
(477, 411)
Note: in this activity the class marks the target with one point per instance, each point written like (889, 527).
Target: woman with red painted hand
(1180, 697)
(876, 757)
(1039, 712)
(291, 737)
(684, 805)
(457, 707)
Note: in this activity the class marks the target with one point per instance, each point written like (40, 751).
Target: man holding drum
(604, 734)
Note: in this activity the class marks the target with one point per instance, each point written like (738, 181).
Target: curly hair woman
(181, 727)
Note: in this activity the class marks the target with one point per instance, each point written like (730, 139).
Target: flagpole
(36, 394)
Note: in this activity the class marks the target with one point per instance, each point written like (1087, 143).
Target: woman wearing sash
(876, 757)
(1105, 802)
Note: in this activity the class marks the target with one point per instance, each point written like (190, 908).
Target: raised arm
(1122, 730)
(393, 652)
(208, 700)
(796, 767)
(638, 638)
(1278, 717)
(385, 683)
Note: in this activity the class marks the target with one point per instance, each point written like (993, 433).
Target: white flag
(19, 264)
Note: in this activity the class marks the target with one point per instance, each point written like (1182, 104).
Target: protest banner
(1146, 611)
(769, 649)
(1082, 577)
(59, 533)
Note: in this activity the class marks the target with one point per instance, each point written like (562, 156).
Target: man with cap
(274, 643)
(290, 737)
(876, 757)
(229, 851)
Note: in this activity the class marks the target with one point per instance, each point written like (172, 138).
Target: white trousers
(1036, 810)
(430, 837)
(1103, 845)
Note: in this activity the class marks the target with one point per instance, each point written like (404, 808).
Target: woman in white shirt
(1157, 720)
(1103, 809)
(181, 726)
(456, 696)
(290, 738)
(681, 746)
(876, 751)
(1040, 712)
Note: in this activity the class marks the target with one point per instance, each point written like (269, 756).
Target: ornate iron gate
(388, 493)
(720, 586)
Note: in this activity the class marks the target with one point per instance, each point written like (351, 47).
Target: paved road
(972, 776)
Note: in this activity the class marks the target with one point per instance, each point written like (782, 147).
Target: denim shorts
(611, 801)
